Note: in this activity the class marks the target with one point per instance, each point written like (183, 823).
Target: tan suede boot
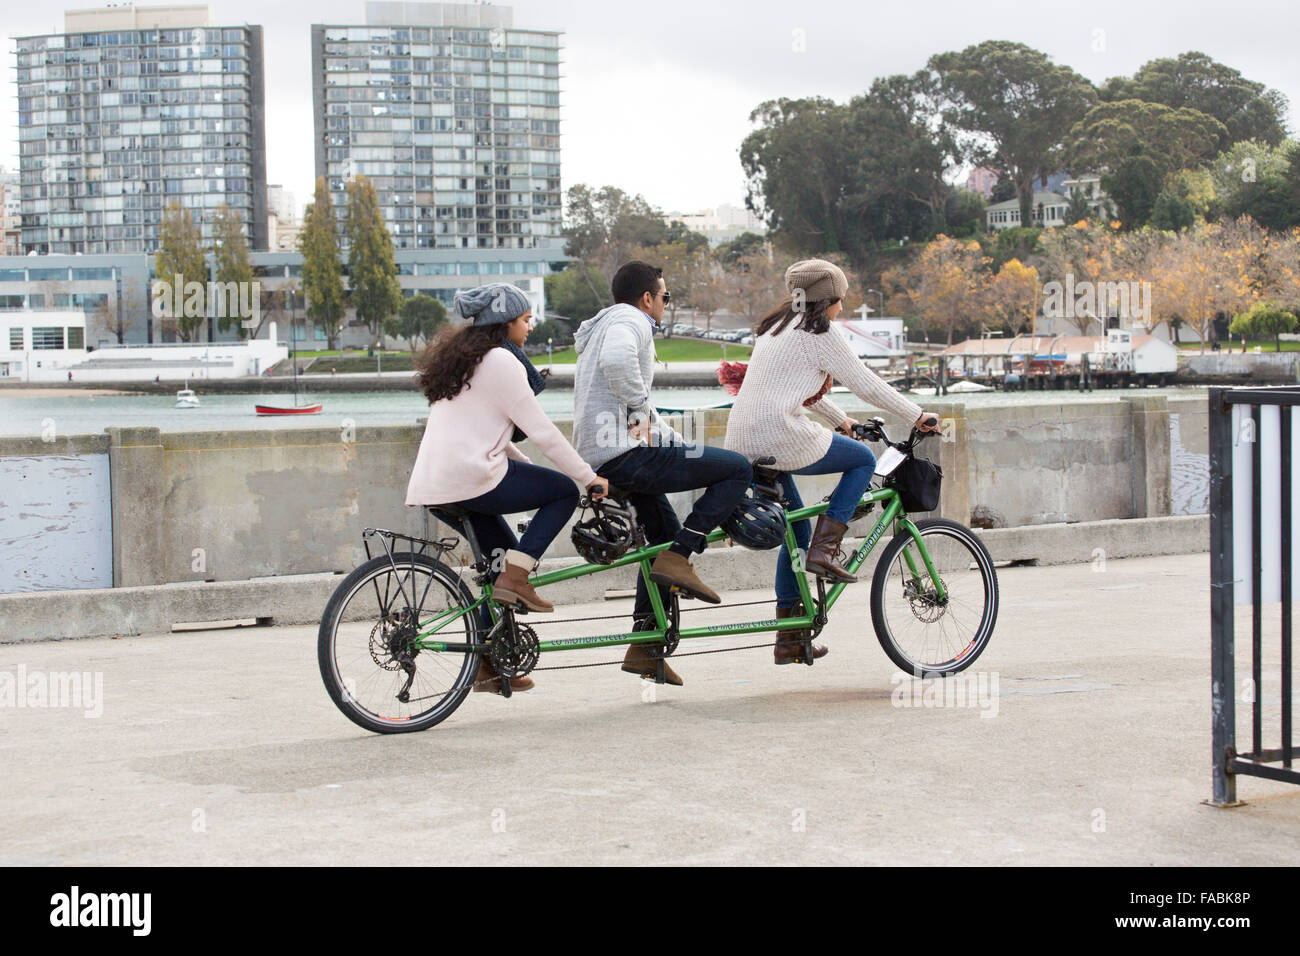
(512, 587)
(672, 569)
(487, 681)
(639, 661)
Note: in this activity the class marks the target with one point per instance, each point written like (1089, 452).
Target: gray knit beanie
(492, 304)
(818, 278)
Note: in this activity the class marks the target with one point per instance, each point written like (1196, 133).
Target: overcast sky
(655, 97)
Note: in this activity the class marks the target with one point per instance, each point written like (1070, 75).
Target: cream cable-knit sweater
(784, 371)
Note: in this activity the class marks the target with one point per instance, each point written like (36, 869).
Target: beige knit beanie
(818, 278)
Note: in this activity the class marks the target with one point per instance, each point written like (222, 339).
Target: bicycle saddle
(448, 514)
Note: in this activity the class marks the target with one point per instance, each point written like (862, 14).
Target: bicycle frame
(892, 514)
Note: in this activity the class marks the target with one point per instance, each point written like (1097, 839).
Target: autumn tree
(1194, 286)
(372, 272)
(322, 271)
(602, 228)
(180, 260)
(945, 287)
(1014, 294)
(756, 286)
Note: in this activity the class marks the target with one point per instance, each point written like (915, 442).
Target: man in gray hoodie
(619, 433)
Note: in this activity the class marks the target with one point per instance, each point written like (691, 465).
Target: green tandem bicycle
(401, 638)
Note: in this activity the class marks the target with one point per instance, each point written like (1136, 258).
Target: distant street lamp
(550, 357)
(881, 296)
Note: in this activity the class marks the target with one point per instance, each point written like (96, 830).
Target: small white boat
(186, 398)
(959, 388)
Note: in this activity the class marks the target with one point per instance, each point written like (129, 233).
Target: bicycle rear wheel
(922, 633)
(368, 661)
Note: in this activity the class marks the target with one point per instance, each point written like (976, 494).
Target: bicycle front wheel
(371, 667)
(924, 632)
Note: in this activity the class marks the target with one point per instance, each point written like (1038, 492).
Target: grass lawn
(677, 349)
(1265, 345)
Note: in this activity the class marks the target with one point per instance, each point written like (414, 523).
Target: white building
(41, 346)
(47, 346)
(1048, 211)
(880, 338)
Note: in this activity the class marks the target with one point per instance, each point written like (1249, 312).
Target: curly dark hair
(449, 361)
(814, 317)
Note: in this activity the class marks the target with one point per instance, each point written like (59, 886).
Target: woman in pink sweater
(478, 393)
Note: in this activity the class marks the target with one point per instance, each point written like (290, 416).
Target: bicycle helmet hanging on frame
(611, 531)
(757, 523)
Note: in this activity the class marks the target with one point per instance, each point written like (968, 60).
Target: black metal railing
(1230, 429)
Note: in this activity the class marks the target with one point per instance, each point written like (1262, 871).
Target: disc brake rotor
(926, 604)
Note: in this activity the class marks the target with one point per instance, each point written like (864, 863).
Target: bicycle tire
(359, 612)
(901, 617)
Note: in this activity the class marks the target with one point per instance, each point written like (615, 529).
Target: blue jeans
(858, 464)
(646, 475)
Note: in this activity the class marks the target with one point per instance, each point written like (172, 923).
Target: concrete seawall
(137, 508)
(300, 599)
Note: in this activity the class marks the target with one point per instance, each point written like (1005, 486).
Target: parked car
(747, 339)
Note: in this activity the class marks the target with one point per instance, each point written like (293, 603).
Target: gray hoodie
(611, 387)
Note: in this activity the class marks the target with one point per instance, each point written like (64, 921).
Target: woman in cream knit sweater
(797, 352)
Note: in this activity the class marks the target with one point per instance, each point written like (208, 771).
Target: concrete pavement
(222, 748)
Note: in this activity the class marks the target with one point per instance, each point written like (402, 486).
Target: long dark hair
(449, 361)
(814, 318)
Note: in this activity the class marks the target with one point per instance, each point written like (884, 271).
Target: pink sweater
(467, 439)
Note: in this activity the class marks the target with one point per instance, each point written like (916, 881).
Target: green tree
(558, 333)
(1264, 318)
(1173, 139)
(234, 268)
(1193, 80)
(372, 273)
(419, 318)
(795, 172)
(902, 153)
(1014, 106)
(322, 271)
(1078, 208)
(732, 251)
(1171, 213)
(180, 260)
(573, 292)
(1134, 186)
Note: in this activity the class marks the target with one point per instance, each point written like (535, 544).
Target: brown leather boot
(824, 553)
(672, 569)
(639, 661)
(486, 681)
(512, 587)
(789, 644)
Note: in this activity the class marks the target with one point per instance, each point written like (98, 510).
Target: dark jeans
(858, 464)
(647, 475)
(523, 488)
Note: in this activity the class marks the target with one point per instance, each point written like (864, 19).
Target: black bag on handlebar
(917, 482)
